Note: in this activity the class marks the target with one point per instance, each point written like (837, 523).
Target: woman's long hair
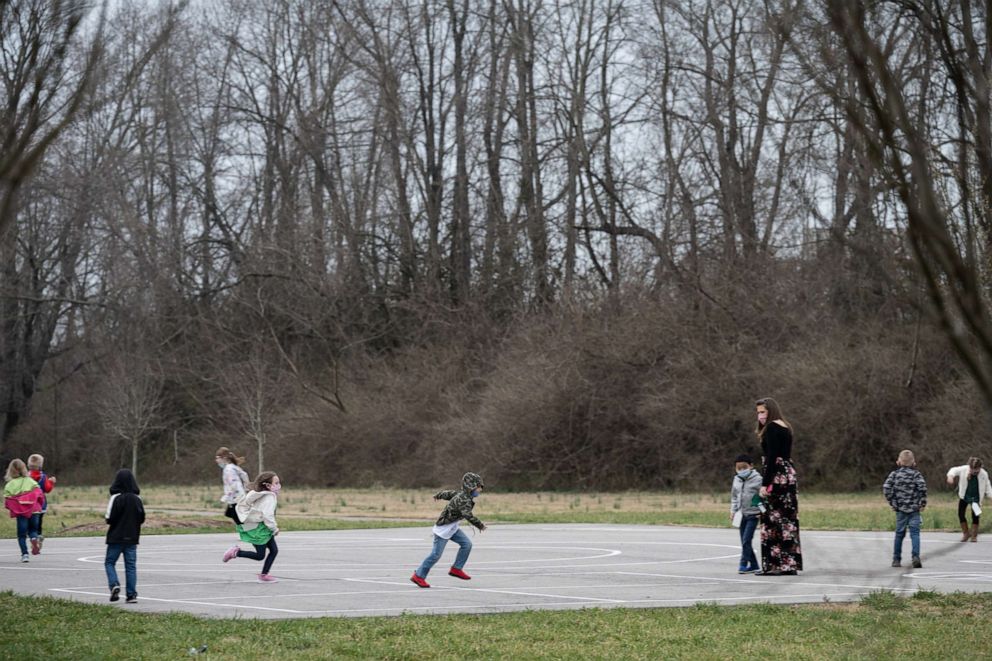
(774, 413)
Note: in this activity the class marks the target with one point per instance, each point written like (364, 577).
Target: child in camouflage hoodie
(460, 504)
(906, 491)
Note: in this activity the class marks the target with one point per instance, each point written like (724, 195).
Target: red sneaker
(35, 546)
(419, 581)
(458, 573)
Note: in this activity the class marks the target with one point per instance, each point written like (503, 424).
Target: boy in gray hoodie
(745, 506)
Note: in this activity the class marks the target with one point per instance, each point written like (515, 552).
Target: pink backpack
(24, 504)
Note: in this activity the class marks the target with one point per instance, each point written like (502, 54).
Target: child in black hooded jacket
(125, 514)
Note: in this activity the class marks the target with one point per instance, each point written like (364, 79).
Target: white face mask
(743, 473)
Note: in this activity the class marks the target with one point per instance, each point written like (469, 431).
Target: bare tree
(900, 145)
(131, 404)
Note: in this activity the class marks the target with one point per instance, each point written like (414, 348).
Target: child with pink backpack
(22, 497)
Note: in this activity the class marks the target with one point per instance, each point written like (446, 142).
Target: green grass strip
(927, 625)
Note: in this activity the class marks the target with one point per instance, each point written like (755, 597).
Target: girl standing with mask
(257, 511)
(781, 553)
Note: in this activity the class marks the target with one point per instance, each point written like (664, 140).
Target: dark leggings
(259, 554)
(963, 506)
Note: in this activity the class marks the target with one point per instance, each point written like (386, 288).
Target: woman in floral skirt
(781, 553)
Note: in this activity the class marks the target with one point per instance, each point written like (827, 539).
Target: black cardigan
(776, 442)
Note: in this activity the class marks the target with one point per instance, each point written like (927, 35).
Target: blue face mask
(744, 473)
(475, 493)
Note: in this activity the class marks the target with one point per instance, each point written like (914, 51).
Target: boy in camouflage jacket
(906, 491)
(460, 505)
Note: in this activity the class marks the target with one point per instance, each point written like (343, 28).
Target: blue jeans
(465, 547)
(912, 520)
(748, 525)
(27, 526)
(130, 552)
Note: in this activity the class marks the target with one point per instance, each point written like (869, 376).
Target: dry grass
(197, 508)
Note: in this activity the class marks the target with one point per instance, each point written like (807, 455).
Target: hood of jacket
(470, 481)
(124, 482)
(253, 497)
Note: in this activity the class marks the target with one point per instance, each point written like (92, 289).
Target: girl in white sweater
(258, 527)
(973, 489)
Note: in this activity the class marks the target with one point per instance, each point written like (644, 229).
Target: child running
(22, 498)
(460, 504)
(906, 491)
(47, 483)
(125, 514)
(235, 480)
(257, 512)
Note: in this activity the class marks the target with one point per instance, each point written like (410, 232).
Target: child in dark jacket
(36, 464)
(460, 504)
(125, 514)
(906, 491)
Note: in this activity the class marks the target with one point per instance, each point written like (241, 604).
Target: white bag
(976, 509)
(738, 517)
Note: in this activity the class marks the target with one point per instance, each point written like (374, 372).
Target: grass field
(195, 509)
(881, 626)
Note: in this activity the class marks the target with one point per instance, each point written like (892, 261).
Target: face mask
(743, 473)
(221, 463)
(475, 493)
(763, 417)
(275, 488)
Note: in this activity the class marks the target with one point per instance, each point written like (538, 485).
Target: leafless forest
(564, 244)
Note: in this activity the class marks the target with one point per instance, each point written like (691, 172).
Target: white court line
(510, 607)
(605, 553)
(923, 540)
(784, 583)
(951, 576)
(187, 601)
(496, 591)
(761, 597)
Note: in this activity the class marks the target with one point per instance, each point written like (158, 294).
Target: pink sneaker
(231, 553)
(267, 578)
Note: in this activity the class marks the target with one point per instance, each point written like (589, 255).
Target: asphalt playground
(352, 573)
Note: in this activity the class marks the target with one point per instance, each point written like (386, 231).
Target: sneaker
(131, 599)
(231, 553)
(741, 569)
(35, 546)
(115, 593)
(41, 540)
(749, 570)
(419, 581)
(25, 558)
(267, 578)
(896, 563)
(458, 573)
(916, 562)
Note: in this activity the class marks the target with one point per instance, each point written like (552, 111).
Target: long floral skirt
(780, 548)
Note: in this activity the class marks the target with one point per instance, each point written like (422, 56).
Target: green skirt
(259, 536)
